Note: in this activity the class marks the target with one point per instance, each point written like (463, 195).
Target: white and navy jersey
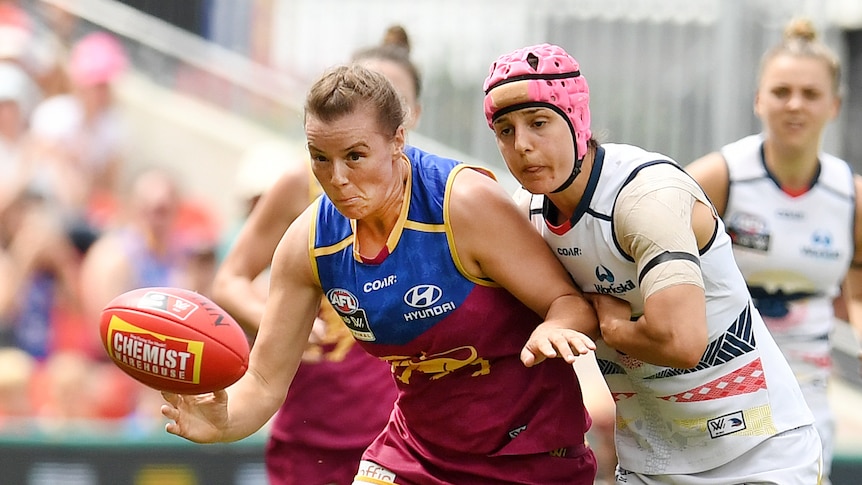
(790, 248)
(676, 421)
(794, 251)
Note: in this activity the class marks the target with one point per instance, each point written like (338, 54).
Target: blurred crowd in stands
(78, 226)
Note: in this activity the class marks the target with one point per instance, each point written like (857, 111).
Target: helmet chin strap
(576, 168)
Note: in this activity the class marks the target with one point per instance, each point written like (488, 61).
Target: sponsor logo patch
(378, 474)
(749, 231)
(725, 425)
(153, 353)
(347, 307)
(172, 305)
(606, 276)
(423, 296)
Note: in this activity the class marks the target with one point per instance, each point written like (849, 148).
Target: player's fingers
(172, 428)
(169, 411)
(171, 397)
(530, 358)
(220, 396)
(581, 344)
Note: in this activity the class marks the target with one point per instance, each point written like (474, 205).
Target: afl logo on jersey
(343, 301)
(423, 296)
(748, 231)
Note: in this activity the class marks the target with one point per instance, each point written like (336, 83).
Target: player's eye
(503, 130)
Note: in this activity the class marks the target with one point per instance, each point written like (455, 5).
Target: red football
(173, 339)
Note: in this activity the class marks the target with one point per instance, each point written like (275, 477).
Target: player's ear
(398, 141)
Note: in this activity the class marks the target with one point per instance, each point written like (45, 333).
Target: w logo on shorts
(727, 424)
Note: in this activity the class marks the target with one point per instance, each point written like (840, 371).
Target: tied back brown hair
(395, 48)
(344, 89)
(801, 40)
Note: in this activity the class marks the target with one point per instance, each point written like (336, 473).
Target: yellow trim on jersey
(314, 252)
(312, 234)
(424, 227)
(334, 248)
(359, 479)
(448, 227)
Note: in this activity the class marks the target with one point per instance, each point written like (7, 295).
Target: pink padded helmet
(540, 75)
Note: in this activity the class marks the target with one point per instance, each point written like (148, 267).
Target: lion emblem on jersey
(438, 365)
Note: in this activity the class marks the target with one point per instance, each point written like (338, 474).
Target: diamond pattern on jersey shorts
(745, 380)
(619, 396)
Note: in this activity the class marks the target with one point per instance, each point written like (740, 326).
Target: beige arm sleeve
(652, 222)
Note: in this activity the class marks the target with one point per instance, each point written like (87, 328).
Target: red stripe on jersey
(742, 381)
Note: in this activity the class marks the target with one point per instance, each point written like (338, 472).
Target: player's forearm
(238, 296)
(573, 312)
(251, 404)
(672, 332)
(639, 340)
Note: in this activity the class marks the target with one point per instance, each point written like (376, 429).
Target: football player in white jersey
(791, 211)
(703, 395)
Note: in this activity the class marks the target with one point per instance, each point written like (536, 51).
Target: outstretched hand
(548, 342)
(201, 418)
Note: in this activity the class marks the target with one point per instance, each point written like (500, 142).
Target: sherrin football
(175, 340)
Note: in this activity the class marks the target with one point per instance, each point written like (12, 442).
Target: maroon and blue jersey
(453, 340)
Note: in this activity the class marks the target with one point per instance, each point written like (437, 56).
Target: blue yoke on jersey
(413, 288)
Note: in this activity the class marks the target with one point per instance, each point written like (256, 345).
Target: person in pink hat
(703, 395)
(78, 138)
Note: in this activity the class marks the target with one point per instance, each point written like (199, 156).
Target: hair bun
(396, 36)
(800, 28)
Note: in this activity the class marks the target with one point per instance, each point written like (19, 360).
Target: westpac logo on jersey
(607, 282)
(424, 298)
(347, 307)
(725, 425)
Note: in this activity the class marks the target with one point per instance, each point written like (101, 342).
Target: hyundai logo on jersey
(422, 296)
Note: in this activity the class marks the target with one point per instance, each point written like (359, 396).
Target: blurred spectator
(38, 265)
(161, 239)
(78, 139)
(64, 392)
(18, 95)
(37, 44)
(258, 169)
(38, 276)
(16, 371)
(150, 247)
